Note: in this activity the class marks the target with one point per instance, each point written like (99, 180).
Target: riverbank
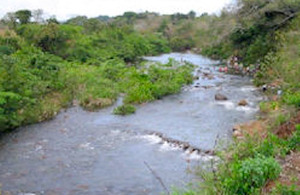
(88, 152)
(265, 156)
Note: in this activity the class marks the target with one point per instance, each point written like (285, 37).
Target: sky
(64, 9)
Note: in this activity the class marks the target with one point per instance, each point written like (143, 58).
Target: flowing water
(82, 152)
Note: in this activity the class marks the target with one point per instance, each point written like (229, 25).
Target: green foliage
(107, 42)
(52, 38)
(9, 45)
(218, 51)
(9, 106)
(90, 25)
(23, 16)
(47, 66)
(158, 44)
(293, 142)
(179, 44)
(292, 98)
(154, 82)
(252, 164)
(286, 190)
(256, 32)
(266, 107)
(26, 76)
(125, 109)
(247, 176)
(52, 20)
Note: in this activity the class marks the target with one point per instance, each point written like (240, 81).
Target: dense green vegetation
(44, 67)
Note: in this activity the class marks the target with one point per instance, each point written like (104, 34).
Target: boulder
(220, 97)
(243, 103)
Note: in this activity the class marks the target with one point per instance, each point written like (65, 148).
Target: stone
(243, 103)
(196, 78)
(237, 131)
(220, 97)
(237, 134)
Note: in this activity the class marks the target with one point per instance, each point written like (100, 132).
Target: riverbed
(82, 152)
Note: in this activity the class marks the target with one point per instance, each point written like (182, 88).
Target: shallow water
(81, 152)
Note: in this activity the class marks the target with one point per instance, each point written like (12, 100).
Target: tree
(37, 15)
(52, 20)
(92, 25)
(272, 14)
(192, 14)
(23, 16)
(51, 39)
(204, 14)
(130, 16)
(10, 20)
(78, 20)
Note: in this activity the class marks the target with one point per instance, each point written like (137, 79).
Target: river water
(82, 152)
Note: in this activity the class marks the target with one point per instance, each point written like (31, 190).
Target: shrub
(292, 98)
(247, 176)
(294, 141)
(10, 103)
(144, 85)
(125, 109)
(179, 44)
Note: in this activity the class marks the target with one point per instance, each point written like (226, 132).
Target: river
(82, 152)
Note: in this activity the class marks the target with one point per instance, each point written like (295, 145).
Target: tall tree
(23, 16)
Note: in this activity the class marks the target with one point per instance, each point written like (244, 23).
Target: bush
(10, 103)
(125, 109)
(292, 98)
(27, 76)
(146, 85)
(247, 176)
(179, 44)
(293, 142)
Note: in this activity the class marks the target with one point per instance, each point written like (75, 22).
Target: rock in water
(220, 97)
(243, 103)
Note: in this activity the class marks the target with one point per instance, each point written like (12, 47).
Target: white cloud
(63, 9)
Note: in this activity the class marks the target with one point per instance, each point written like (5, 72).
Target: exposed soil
(259, 127)
(286, 130)
(250, 128)
(290, 174)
